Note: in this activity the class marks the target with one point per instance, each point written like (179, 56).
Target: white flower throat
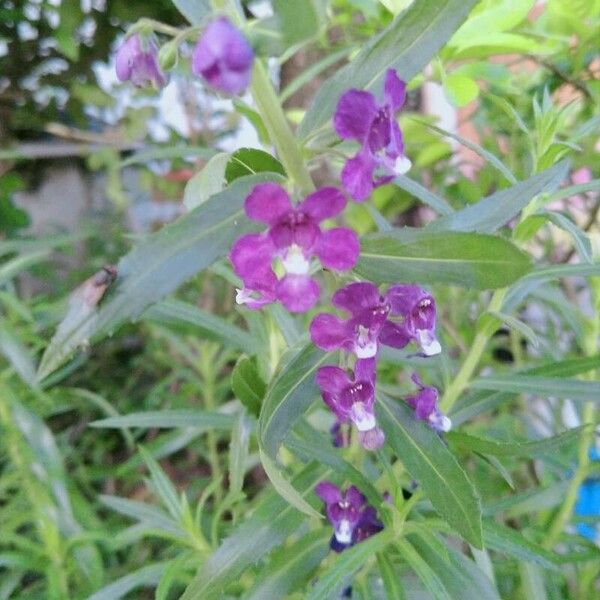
(294, 261)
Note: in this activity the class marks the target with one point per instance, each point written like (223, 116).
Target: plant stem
(272, 114)
(482, 337)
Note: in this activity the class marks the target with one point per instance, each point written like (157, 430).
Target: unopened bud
(168, 56)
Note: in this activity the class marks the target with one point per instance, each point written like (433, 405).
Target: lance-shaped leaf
(429, 461)
(155, 267)
(492, 212)
(407, 45)
(467, 259)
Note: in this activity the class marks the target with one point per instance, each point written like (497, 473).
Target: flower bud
(168, 56)
(136, 61)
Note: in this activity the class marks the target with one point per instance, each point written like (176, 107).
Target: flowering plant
(355, 388)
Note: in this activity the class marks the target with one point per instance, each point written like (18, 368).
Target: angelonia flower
(351, 399)
(275, 265)
(358, 116)
(352, 519)
(223, 57)
(425, 405)
(137, 61)
(403, 314)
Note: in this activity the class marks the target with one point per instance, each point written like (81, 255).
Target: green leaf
(179, 251)
(292, 567)
(238, 454)
(169, 418)
(255, 119)
(145, 577)
(423, 194)
(407, 45)
(345, 564)
(582, 242)
(298, 20)
(425, 573)
(518, 326)
(508, 541)
(529, 502)
(284, 488)
(174, 312)
(250, 161)
(491, 213)
(547, 387)
(13, 267)
(429, 461)
(430, 257)
(392, 582)
(17, 355)
(166, 153)
(461, 577)
(268, 526)
(247, 384)
(541, 448)
(210, 180)
(290, 394)
(475, 403)
(195, 11)
(460, 89)
(162, 484)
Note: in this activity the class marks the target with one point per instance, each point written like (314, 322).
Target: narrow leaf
(247, 384)
(169, 418)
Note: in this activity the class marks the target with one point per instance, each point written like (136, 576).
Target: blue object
(588, 503)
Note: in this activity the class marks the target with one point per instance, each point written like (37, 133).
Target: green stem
(271, 112)
(482, 337)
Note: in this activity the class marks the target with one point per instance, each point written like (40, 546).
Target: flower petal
(328, 492)
(267, 203)
(394, 335)
(251, 254)
(365, 370)
(323, 204)
(357, 176)
(298, 293)
(394, 90)
(329, 332)
(355, 497)
(332, 379)
(353, 115)
(338, 248)
(372, 439)
(356, 297)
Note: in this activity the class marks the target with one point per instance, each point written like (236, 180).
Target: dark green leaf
(178, 251)
(250, 161)
(407, 45)
(548, 387)
(345, 564)
(272, 522)
(247, 384)
(491, 213)
(187, 418)
(466, 259)
(216, 328)
(429, 461)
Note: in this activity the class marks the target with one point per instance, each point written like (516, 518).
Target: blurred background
(89, 164)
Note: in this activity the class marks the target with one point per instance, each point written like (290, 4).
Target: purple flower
(137, 61)
(404, 313)
(425, 404)
(353, 520)
(293, 238)
(352, 399)
(223, 57)
(359, 117)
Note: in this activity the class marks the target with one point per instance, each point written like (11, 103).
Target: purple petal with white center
(325, 203)
(297, 293)
(329, 332)
(353, 115)
(328, 492)
(338, 248)
(267, 203)
(357, 176)
(258, 290)
(358, 392)
(356, 297)
(394, 90)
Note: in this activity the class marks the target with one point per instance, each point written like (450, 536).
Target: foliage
(158, 440)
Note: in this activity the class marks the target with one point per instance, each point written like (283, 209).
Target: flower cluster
(352, 519)
(222, 57)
